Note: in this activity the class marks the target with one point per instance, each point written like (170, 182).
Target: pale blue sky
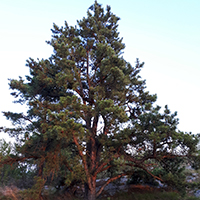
(165, 34)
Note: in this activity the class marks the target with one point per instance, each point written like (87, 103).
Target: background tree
(18, 174)
(86, 107)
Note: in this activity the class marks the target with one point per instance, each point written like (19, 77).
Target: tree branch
(83, 159)
(109, 181)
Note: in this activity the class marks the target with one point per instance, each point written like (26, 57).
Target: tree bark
(92, 194)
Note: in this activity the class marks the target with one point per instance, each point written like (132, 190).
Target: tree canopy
(88, 110)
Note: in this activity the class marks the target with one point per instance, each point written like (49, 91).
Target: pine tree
(83, 104)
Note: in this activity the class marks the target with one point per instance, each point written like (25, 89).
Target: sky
(165, 35)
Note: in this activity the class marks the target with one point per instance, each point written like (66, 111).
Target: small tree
(16, 173)
(82, 103)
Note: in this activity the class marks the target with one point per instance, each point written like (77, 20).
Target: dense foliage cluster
(89, 112)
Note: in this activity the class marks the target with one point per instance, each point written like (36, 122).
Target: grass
(150, 196)
(12, 193)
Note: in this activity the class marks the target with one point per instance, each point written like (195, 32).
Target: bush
(142, 177)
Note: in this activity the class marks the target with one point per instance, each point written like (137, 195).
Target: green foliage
(34, 193)
(142, 177)
(160, 150)
(16, 173)
(172, 172)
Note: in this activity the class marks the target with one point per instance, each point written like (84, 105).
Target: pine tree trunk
(92, 194)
